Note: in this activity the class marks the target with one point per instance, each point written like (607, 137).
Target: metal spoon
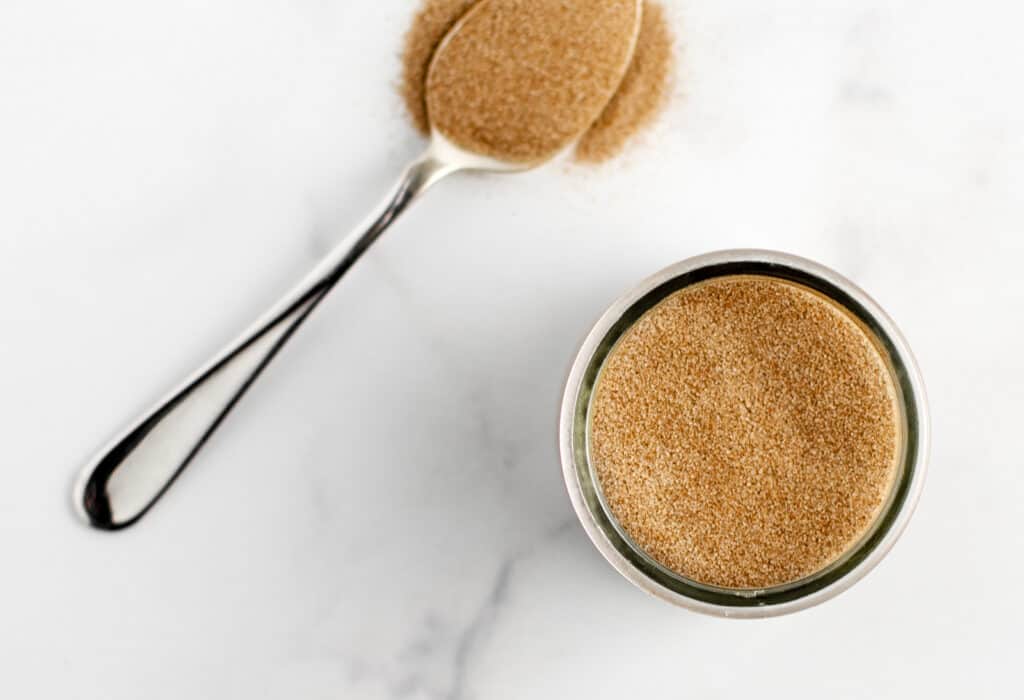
(132, 472)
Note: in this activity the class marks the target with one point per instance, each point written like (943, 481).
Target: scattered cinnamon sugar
(642, 94)
(533, 74)
(745, 432)
(430, 25)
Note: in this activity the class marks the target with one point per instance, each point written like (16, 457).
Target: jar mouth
(630, 559)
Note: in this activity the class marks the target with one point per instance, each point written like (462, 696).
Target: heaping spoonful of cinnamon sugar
(521, 78)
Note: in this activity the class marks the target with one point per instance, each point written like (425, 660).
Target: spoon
(135, 469)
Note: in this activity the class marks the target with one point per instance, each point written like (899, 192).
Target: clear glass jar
(628, 558)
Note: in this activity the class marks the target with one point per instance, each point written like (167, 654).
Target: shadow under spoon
(133, 471)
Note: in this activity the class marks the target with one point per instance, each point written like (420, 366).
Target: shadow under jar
(702, 465)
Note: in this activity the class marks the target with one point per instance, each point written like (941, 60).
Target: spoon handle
(133, 472)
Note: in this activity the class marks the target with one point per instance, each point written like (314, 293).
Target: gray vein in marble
(439, 660)
(480, 627)
(475, 634)
(864, 92)
(862, 80)
(507, 449)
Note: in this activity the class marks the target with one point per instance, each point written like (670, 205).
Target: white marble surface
(383, 516)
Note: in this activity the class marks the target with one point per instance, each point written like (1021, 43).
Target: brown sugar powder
(642, 94)
(745, 432)
(523, 89)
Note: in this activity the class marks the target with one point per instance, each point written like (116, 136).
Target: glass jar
(635, 564)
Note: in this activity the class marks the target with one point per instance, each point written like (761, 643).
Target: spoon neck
(421, 175)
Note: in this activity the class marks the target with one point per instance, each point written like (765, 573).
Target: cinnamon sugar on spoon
(572, 53)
